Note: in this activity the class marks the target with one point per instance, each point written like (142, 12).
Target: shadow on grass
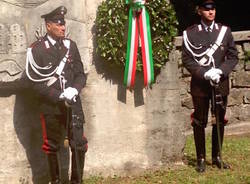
(191, 161)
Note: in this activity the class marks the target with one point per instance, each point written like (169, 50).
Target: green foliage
(247, 56)
(112, 30)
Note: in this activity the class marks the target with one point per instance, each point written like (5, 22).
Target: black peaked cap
(57, 15)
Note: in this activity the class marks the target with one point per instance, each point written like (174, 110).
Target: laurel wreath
(112, 27)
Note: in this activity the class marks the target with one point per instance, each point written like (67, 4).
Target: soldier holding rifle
(209, 54)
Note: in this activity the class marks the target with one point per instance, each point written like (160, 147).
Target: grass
(236, 151)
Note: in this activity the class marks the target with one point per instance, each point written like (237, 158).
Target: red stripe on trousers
(45, 146)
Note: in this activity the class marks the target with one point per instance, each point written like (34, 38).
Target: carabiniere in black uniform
(43, 58)
(225, 58)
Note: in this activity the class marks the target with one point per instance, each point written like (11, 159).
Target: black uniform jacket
(226, 57)
(44, 53)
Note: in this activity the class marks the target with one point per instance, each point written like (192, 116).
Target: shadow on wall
(29, 132)
(114, 74)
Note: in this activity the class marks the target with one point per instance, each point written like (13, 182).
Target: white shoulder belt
(207, 55)
(50, 77)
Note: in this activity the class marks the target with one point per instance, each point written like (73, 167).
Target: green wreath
(112, 27)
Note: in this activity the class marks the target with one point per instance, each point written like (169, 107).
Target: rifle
(216, 102)
(74, 132)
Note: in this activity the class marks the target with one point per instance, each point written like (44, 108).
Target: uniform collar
(51, 40)
(206, 26)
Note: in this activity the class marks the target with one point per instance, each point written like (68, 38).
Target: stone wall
(129, 131)
(238, 102)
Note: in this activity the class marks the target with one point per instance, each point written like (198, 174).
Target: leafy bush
(112, 30)
(247, 56)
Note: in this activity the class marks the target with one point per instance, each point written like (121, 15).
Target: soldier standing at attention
(56, 72)
(209, 54)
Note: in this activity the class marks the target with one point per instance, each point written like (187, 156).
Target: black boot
(216, 154)
(219, 163)
(54, 169)
(78, 159)
(199, 138)
(201, 165)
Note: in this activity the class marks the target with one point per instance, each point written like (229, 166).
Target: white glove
(218, 71)
(70, 93)
(208, 75)
(212, 74)
(216, 78)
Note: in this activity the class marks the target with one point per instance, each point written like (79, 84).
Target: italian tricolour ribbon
(139, 26)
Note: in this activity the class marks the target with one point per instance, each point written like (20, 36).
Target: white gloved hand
(216, 75)
(208, 75)
(216, 78)
(218, 71)
(212, 73)
(69, 93)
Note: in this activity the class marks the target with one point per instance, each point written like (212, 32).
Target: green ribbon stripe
(136, 5)
(128, 47)
(150, 47)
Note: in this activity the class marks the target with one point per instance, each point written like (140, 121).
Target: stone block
(180, 64)
(187, 102)
(246, 97)
(238, 113)
(235, 97)
(241, 35)
(241, 54)
(178, 56)
(247, 65)
(185, 72)
(184, 87)
(246, 47)
(233, 113)
(244, 113)
(240, 66)
(241, 79)
(179, 72)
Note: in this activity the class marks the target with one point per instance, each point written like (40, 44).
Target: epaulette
(67, 42)
(68, 39)
(192, 27)
(34, 44)
(220, 24)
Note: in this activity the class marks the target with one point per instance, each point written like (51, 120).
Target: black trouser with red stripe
(53, 133)
(199, 123)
